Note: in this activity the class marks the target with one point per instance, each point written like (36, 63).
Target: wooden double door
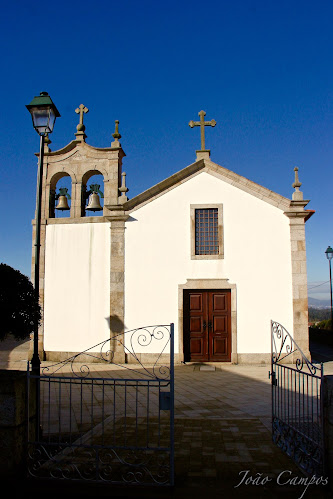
(207, 325)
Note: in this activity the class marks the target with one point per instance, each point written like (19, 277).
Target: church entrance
(207, 325)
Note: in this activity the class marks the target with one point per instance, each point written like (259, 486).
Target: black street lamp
(44, 114)
(329, 256)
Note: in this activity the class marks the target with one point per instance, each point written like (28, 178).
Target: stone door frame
(207, 284)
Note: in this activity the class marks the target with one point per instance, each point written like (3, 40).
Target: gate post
(328, 426)
(172, 407)
(14, 419)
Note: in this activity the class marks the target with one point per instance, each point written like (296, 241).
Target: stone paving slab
(214, 456)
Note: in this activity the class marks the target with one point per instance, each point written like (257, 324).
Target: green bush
(19, 309)
(327, 325)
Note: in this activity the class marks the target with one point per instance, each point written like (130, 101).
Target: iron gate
(297, 403)
(117, 427)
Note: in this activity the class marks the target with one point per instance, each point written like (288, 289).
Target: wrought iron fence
(117, 428)
(297, 402)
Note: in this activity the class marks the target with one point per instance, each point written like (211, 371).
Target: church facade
(209, 250)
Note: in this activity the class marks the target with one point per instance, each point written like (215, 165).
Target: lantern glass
(329, 253)
(43, 113)
(43, 119)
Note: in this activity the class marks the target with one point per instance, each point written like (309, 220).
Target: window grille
(206, 231)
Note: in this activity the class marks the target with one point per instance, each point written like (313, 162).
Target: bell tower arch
(77, 163)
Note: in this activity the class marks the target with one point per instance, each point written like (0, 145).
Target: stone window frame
(219, 207)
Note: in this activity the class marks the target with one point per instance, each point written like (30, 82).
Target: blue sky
(262, 69)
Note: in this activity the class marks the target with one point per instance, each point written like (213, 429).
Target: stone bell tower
(73, 279)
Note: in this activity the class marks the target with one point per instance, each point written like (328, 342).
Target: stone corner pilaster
(117, 220)
(297, 217)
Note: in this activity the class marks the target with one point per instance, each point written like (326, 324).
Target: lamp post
(44, 114)
(329, 256)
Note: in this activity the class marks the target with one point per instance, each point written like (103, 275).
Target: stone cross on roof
(80, 110)
(202, 123)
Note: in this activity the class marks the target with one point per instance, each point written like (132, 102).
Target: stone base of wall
(254, 358)
(83, 358)
(265, 358)
(150, 358)
(118, 358)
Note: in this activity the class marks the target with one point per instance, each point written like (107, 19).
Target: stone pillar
(327, 394)
(76, 201)
(117, 285)
(297, 216)
(41, 281)
(111, 188)
(115, 160)
(116, 215)
(14, 423)
(299, 283)
(47, 197)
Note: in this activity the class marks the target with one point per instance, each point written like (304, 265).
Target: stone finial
(81, 110)
(202, 123)
(123, 189)
(116, 135)
(297, 195)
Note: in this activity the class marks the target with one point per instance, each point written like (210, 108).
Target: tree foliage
(319, 314)
(19, 309)
(327, 325)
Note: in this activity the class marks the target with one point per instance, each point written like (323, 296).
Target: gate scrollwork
(155, 337)
(297, 402)
(109, 425)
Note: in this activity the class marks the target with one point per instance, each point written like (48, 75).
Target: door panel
(195, 324)
(197, 305)
(196, 346)
(196, 302)
(219, 302)
(220, 324)
(220, 332)
(220, 346)
(207, 325)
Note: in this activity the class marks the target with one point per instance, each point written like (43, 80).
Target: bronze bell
(94, 202)
(62, 203)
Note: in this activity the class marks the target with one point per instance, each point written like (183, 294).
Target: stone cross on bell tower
(80, 127)
(203, 152)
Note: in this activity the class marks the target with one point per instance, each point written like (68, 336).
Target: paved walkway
(222, 433)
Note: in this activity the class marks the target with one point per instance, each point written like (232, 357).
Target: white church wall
(257, 259)
(77, 286)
